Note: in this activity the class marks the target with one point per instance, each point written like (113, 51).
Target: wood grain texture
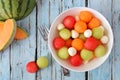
(42, 47)
(24, 51)
(5, 64)
(104, 71)
(116, 47)
(55, 9)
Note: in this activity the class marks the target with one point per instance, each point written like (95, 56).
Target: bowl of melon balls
(80, 39)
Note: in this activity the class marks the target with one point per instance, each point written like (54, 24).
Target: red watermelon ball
(91, 43)
(32, 67)
(76, 60)
(69, 22)
(58, 43)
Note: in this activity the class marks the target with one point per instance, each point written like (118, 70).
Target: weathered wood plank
(42, 47)
(79, 3)
(104, 71)
(55, 9)
(5, 64)
(24, 51)
(116, 48)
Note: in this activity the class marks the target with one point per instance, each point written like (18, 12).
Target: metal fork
(44, 33)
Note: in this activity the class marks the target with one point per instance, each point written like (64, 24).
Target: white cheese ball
(75, 34)
(88, 33)
(104, 39)
(72, 51)
(77, 18)
(60, 26)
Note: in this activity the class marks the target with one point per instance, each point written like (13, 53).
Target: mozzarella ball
(72, 51)
(60, 26)
(88, 33)
(75, 34)
(104, 39)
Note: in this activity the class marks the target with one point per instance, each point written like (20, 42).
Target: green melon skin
(15, 9)
(11, 36)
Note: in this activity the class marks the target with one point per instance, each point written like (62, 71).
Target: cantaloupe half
(1, 26)
(20, 34)
(7, 33)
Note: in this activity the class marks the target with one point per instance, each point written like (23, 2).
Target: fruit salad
(81, 38)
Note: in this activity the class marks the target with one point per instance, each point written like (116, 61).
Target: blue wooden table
(13, 60)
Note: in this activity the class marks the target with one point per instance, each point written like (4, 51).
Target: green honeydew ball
(97, 32)
(86, 55)
(42, 62)
(65, 34)
(63, 53)
(100, 51)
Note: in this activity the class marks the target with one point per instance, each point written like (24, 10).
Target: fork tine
(46, 29)
(41, 30)
(44, 32)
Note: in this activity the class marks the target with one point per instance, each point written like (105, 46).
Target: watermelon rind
(3, 12)
(16, 9)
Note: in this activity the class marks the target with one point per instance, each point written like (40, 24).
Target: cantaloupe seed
(20, 34)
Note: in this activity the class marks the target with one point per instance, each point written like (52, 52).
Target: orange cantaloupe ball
(78, 44)
(80, 26)
(85, 16)
(94, 23)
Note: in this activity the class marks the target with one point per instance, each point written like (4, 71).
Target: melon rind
(9, 41)
(16, 9)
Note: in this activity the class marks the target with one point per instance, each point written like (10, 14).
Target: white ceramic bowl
(54, 33)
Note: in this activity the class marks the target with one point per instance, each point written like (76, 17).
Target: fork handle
(66, 72)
